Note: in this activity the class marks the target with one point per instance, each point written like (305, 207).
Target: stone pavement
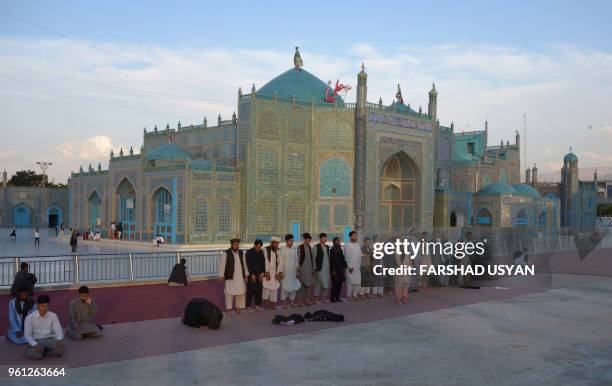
(555, 337)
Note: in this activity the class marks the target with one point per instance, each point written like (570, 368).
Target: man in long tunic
(19, 308)
(233, 272)
(306, 270)
(290, 283)
(82, 310)
(367, 252)
(256, 264)
(274, 272)
(352, 254)
(322, 273)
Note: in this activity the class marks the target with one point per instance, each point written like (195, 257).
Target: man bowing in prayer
(234, 272)
(274, 272)
(82, 310)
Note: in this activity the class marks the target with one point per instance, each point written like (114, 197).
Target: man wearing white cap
(274, 272)
(234, 272)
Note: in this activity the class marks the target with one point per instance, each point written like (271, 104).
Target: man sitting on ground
(43, 331)
(19, 307)
(178, 277)
(82, 310)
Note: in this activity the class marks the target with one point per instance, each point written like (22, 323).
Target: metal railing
(75, 269)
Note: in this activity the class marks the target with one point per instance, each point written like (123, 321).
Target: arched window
(542, 219)
(335, 178)
(225, 215)
(127, 209)
(398, 195)
(483, 217)
(457, 218)
(21, 216)
(200, 214)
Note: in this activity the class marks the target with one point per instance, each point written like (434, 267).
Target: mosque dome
(527, 190)
(169, 152)
(570, 157)
(497, 188)
(401, 107)
(300, 83)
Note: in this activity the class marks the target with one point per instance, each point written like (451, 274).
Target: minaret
(534, 176)
(528, 176)
(569, 189)
(359, 170)
(432, 107)
(4, 178)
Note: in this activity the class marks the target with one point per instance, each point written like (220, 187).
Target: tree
(26, 178)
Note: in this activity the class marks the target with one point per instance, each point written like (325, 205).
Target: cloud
(93, 148)
(8, 153)
(592, 156)
(560, 88)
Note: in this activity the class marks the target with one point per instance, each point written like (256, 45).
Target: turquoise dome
(401, 107)
(570, 157)
(527, 190)
(300, 83)
(497, 188)
(167, 152)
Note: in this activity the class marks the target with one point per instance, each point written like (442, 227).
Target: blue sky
(490, 60)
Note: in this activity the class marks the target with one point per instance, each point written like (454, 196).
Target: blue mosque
(297, 157)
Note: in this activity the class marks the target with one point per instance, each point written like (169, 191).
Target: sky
(78, 79)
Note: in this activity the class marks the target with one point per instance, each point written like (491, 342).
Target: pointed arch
(399, 193)
(161, 213)
(126, 208)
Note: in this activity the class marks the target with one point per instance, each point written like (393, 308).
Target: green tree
(26, 178)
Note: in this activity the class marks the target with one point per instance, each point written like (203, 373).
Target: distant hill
(586, 174)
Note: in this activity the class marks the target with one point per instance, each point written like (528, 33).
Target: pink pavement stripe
(140, 339)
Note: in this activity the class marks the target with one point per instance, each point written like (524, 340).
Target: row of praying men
(35, 325)
(300, 274)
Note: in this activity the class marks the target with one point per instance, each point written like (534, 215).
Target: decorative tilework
(200, 215)
(267, 166)
(335, 178)
(267, 214)
(324, 217)
(340, 215)
(225, 215)
(295, 169)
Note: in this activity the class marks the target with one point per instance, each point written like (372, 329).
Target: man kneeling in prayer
(82, 311)
(43, 331)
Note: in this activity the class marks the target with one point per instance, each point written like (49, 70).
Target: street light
(44, 166)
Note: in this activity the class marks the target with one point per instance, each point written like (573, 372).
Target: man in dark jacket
(256, 265)
(24, 279)
(337, 265)
(178, 277)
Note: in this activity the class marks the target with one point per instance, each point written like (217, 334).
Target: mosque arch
(161, 207)
(126, 208)
(54, 216)
(457, 218)
(521, 218)
(484, 217)
(399, 187)
(94, 210)
(22, 216)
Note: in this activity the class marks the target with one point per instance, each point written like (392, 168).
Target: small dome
(570, 157)
(401, 107)
(497, 188)
(527, 190)
(167, 152)
(300, 83)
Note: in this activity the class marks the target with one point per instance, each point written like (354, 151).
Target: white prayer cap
(275, 238)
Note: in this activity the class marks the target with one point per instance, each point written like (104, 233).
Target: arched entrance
(162, 213)
(399, 186)
(126, 197)
(94, 208)
(484, 218)
(21, 216)
(54, 216)
(521, 218)
(457, 218)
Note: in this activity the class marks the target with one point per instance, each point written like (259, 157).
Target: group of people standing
(302, 275)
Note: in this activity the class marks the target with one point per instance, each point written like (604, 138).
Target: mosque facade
(29, 207)
(296, 157)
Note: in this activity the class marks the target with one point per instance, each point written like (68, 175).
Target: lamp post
(44, 166)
